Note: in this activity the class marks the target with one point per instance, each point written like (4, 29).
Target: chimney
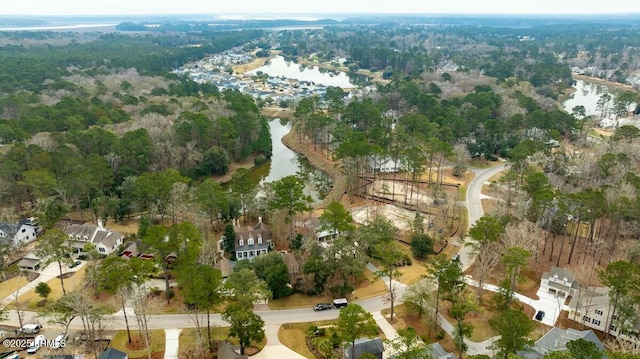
(259, 219)
(100, 227)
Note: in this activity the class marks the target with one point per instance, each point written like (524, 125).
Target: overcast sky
(217, 7)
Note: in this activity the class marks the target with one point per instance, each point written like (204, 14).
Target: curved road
(274, 318)
(474, 205)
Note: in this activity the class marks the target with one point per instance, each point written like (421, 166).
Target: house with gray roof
(556, 339)
(226, 350)
(438, 352)
(105, 240)
(112, 353)
(30, 262)
(20, 233)
(253, 241)
(362, 346)
(560, 282)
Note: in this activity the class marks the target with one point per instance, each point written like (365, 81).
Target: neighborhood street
(274, 318)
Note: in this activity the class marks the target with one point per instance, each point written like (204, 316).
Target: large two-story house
(251, 242)
(560, 282)
(592, 309)
(18, 234)
(105, 240)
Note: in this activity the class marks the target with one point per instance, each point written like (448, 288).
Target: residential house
(555, 340)
(226, 350)
(253, 241)
(380, 164)
(112, 353)
(560, 282)
(18, 234)
(130, 251)
(591, 308)
(30, 262)
(436, 351)
(364, 345)
(105, 240)
(321, 233)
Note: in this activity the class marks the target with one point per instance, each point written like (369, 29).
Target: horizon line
(285, 14)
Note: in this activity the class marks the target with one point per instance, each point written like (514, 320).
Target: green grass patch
(298, 300)
(293, 335)
(137, 349)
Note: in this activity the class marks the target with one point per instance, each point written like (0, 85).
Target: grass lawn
(370, 287)
(299, 300)
(137, 348)
(71, 283)
(11, 285)
(188, 340)
(422, 325)
(293, 335)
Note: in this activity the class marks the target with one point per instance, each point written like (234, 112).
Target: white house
(381, 164)
(560, 282)
(105, 240)
(591, 308)
(251, 242)
(18, 234)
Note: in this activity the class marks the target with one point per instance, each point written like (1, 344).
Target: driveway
(274, 318)
(50, 272)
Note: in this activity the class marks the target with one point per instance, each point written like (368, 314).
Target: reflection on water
(587, 94)
(279, 66)
(284, 162)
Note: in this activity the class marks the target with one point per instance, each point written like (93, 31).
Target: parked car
(30, 328)
(340, 302)
(39, 341)
(540, 315)
(74, 264)
(60, 341)
(322, 306)
(456, 257)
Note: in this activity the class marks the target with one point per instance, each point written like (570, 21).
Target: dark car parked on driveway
(540, 315)
(321, 306)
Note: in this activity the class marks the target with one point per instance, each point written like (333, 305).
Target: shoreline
(602, 82)
(319, 161)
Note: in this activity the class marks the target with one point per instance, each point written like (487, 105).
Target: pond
(284, 162)
(587, 94)
(281, 67)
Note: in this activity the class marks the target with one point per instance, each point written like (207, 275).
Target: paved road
(474, 206)
(274, 318)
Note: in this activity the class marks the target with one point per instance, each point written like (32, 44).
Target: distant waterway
(87, 27)
(281, 67)
(284, 162)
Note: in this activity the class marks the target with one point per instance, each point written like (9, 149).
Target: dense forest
(83, 118)
(100, 126)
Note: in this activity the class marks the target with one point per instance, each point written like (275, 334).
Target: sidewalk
(172, 338)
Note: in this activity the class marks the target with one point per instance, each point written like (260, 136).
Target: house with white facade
(251, 242)
(104, 239)
(591, 308)
(560, 282)
(383, 164)
(18, 234)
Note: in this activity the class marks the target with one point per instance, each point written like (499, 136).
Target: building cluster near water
(276, 89)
